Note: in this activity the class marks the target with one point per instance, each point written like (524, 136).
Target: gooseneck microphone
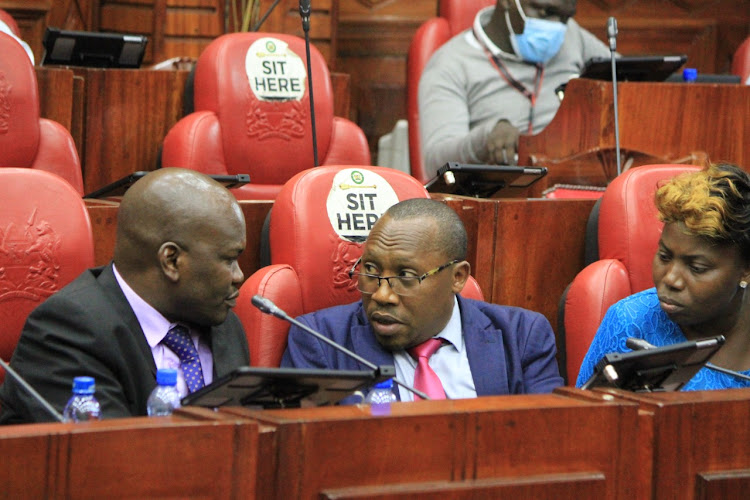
(37, 397)
(268, 307)
(304, 12)
(612, 36)
(641, 345)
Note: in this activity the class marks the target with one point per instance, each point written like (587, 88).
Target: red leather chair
(234, 131)
(8, 19)
(26, 140)
(741, 61)
(455, 17)
(45, 242)
(309, 260)
(628, 236)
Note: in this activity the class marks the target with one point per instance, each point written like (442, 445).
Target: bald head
(168, 223)
(166, 205)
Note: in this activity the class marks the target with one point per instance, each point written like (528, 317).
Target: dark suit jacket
(510, 350)
(88, 328)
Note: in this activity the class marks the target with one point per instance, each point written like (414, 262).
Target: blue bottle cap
(689, 74)
(385, 384)
(166, 376)
(83, 385)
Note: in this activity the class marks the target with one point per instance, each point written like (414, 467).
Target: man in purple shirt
(179, 235)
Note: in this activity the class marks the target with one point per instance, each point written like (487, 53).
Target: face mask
(541, 39)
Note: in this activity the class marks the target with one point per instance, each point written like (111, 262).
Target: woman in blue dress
(701, 270)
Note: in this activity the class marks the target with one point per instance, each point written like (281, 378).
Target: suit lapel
(123, 310)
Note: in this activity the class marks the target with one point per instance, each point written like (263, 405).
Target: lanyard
(505, 73)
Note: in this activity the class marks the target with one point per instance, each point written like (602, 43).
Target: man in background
(491, 83)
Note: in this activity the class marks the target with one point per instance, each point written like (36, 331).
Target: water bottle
(381, 393)
(82, 405)
(165, 397)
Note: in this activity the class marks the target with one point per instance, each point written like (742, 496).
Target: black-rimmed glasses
(401, 285)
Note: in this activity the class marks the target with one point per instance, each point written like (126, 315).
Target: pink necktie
(425, 379)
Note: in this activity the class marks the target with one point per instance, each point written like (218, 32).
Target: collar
(154, 325)
(452, 331)
(482, 17)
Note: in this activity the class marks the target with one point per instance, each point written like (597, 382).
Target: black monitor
(634, 68)
(285, 387)
(482, 181)
(119, 187)
(92, 49)
(660, 369)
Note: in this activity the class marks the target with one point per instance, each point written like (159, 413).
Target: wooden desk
(545, 445)
(691, 445)
(670, 122)
(173, 457)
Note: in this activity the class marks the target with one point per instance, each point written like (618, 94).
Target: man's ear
(169, 257)
(461, 272)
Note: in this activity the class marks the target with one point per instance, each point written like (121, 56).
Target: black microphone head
(638, 344)
(304, 8)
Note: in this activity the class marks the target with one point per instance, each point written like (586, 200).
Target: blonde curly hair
(713, 203)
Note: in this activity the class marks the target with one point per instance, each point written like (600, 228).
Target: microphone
(304, 12)
(612, 35)
(641, 345)
(38, 397)
(268, 307)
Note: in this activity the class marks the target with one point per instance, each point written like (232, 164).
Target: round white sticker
(356, 201)
(274, 72)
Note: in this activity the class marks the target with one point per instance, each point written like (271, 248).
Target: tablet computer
(482, 181)
(634, 68)
(92, 49)
(666, 368)
(285, 387)
(119, 187)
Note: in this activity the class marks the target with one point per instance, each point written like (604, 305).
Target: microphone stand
(38, 397)
(612, 35)
(304, 10)
(266, 306)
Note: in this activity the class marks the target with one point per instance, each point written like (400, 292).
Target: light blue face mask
(541, 39)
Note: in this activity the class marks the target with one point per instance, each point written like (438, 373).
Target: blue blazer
(510, 350)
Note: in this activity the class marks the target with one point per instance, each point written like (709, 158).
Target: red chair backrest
(26, 140)
(310, 259)
(45, 242)
(252, 114)
(455, 17)
(741, 61)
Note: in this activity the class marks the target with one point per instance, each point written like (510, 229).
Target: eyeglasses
(401, 285)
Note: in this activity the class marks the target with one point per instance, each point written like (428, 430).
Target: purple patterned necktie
(178, 340)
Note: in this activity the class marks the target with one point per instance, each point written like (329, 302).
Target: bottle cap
(166, 376)
(83, 385)
(385, 384)
(689, 74)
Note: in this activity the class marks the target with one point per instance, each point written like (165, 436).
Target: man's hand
(502, 144)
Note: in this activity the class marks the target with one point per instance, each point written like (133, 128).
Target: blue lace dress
(641, 316)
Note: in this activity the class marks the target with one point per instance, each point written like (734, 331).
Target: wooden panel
(128, 114)
(574, 485)
(482, 439)
(721, 485)
(30, 461)
(56, 99)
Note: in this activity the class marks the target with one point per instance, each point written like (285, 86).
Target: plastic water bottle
(381, 393)
(165, 397)
(82, 405)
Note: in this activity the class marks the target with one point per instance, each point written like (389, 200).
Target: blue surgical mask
(541, 39)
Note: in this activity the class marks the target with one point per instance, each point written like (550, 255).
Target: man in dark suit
(410, 274)
(179, 235)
